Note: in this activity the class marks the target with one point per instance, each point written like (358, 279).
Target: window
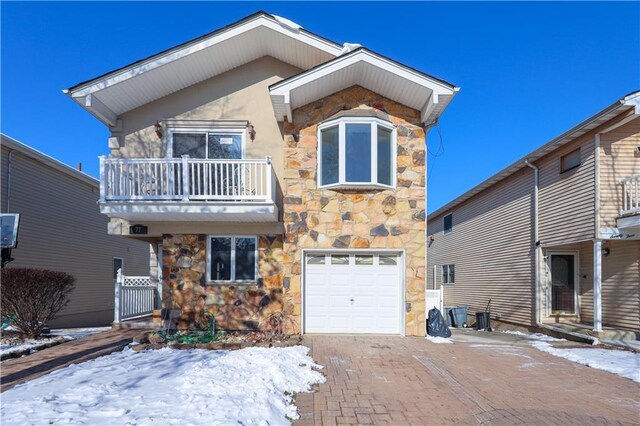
(448, 223)
(223, 144)
(356, 151)
(339, 259)
(118, 263)
(570, 161)
(448, 274)
(315, 259)
(232, 259)
(364, 259)
(387, 260)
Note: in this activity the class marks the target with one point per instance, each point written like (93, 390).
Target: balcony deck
(188, 189)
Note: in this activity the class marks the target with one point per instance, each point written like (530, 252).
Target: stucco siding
(62, 229)
(617, 161)
(567, 200)
(491, 247)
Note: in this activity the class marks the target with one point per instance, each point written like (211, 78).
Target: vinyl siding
(62, 229)
(621, 285)
(567, 200)
(491, 247)
(617, 160)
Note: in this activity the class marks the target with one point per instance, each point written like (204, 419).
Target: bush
(33, 297)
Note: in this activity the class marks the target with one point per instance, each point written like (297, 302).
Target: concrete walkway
(20, 370)
(483, 378)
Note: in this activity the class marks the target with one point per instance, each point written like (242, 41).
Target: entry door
(563, 283)
(352, 293)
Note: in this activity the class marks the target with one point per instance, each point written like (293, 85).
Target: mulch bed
(224, 341)
(11, 338)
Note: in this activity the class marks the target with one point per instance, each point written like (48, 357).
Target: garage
(353, 292)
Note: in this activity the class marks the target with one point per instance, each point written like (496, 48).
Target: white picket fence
(135, 297)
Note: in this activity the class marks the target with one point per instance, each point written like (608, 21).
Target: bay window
(356, 152)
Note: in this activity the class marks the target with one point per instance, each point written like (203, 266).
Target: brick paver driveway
(491, 379)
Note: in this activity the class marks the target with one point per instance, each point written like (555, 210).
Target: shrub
(33, 297)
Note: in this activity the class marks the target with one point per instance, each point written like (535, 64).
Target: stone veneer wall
(235, 307)
(315, 218)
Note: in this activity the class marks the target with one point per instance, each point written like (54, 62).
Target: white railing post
(185, 178)
(116, 301)
(270, 179)
(103, 179)
(625, 206)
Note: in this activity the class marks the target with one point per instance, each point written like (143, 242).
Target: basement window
(570, 161)
(448, 274)
(232, 259)
(356, 152)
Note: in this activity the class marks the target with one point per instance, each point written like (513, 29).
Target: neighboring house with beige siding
(279, 173)
(554, 237)
(61, 229)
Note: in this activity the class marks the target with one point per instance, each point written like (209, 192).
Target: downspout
(536, 239)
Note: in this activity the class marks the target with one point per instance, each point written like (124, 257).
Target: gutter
(9, 166)
(536, 238)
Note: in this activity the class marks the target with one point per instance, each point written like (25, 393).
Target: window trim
(232, 280)
(444, 226)
(562, 157)
(342, 182)
(442, 275)
(113, 265)
(206, 130)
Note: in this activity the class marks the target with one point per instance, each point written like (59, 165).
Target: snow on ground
(169, 387)
(535, 336)
(622, 363)
(437, 339)
(57, 336)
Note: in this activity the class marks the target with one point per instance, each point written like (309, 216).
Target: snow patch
(287, 23)
(438, 340)
(56, 336)
(535, 336)
(349, 47)
(168, 386)
(622, 363)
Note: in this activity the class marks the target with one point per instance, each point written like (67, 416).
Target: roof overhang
(261, 34)
(629, 104)
(370, 70)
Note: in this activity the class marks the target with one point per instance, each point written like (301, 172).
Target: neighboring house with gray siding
(61, 229)
(554, 237)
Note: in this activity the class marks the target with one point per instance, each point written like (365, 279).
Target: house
(553, 238)
(280, 176)
(61, 229)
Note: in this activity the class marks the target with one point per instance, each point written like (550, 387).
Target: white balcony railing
(185, 179)
(630, 195)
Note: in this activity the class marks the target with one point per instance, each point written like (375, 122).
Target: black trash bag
(436, 325)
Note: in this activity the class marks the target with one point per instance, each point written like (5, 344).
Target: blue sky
(528, 71)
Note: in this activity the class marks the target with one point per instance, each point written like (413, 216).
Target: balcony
(629, 220)
(188, 189)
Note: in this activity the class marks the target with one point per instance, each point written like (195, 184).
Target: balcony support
(597, 285)
(185, 178)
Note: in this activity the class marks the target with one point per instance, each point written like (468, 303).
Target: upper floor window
(219, 144)
(570, 161)
(448, 223)
(356, 151)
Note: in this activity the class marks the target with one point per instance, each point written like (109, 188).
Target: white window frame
(442, 274)
(563, 158)
(206, 130)
(341, 123)
(232, 260)
(121, 265)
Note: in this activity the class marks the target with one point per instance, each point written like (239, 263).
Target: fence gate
(134, 297)
(434, 299)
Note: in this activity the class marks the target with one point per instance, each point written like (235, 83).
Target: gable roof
(250, 38)
(370, 70)
(328, 70)
(626, 103)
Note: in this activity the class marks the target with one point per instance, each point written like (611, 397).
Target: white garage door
(352, 293)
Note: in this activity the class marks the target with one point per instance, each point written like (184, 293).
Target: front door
(562, 268)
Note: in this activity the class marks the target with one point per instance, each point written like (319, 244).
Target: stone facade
(234, 307)
(334, 218)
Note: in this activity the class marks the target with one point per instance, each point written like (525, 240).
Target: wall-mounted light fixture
(605, 251)
(158, 128)
(251, 130)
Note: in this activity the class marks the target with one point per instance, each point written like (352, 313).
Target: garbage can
(460, 316)
(483, 321)
(449, 315)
